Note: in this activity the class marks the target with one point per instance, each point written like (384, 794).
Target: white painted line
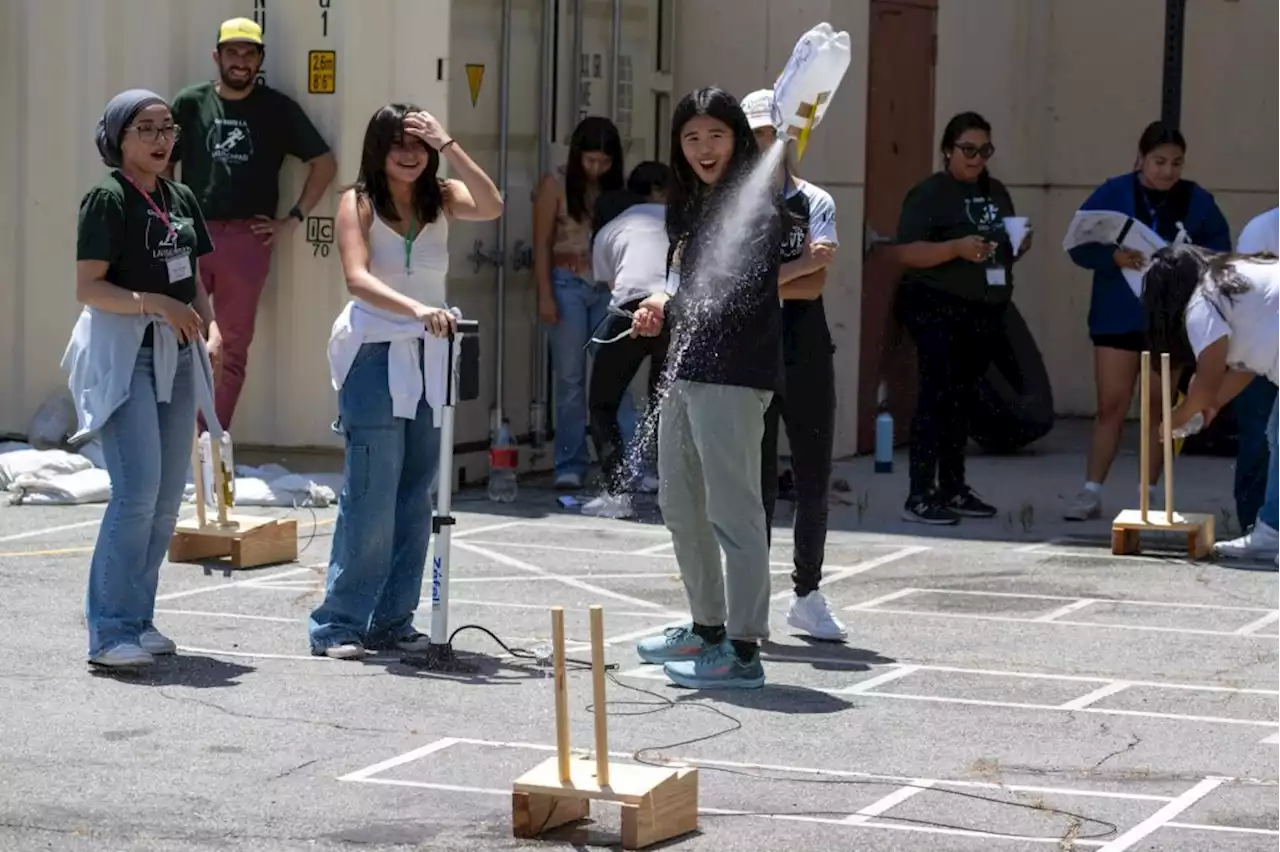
(640, 634)
(567, 580)
(863, 686)
(1169, 604)
(1230, 829)
(600, 551)
(1164, 815)
(214, 652)
(652, 549)
(50, 530)
(233, 615)
(874, 602)
(1274, 739)
(238, 583)
(546, 608)
(1097, 695)
(369, 771)
(1254, 626)
(834, 576)
(1033, 548)
(1065, 610)
(1006, 619)
(892, 800)
(470, 531)
(1195, 687)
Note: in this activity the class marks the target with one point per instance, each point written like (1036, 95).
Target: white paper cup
(1017, 228)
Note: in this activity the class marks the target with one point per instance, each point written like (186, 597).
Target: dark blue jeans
(383, 527)
(1253, 459)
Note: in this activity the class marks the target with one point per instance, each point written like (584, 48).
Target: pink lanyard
(163, 216)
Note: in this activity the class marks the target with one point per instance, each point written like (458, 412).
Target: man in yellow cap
(236, 132)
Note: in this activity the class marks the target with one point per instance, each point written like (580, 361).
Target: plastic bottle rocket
(804, 89)
(884, 432)
(226, 451)
(504, 458)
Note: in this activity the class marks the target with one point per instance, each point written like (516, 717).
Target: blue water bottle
(884, 433)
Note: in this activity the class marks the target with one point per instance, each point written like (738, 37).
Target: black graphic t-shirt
(725, 313)
(231, 151)
(941, 208)
(805, 334)
(117, 225)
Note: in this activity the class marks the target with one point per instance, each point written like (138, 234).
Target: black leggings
(615, 366)
(954, 340)
(808, 409)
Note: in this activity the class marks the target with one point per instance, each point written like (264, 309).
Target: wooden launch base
(246, 542)
(657, 803)
(1128, 527)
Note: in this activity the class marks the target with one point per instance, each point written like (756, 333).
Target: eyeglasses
(986, 151)
(150, 133)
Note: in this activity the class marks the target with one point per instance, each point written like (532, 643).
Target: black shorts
(1130, 341)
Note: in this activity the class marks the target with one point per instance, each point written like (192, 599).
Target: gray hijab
(116, 117)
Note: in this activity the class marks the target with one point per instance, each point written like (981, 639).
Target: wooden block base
(246, 541)
(1127, 528)
(657, 803)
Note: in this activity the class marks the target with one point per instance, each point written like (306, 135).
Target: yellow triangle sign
(475, 76)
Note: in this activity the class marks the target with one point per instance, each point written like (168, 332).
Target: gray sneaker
(126, 655)
(1085, 506)
(675, 643)
(156, 643)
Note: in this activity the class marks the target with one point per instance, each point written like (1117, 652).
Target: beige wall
(743, 46)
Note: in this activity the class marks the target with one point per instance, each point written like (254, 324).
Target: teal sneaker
(675, 643)
(718, 667)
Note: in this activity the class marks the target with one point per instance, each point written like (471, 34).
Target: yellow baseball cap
(240, 29)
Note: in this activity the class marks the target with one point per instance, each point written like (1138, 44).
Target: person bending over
(808, 403)
(723, 368)
(388, 363)
(1220, 312)
(629, 254)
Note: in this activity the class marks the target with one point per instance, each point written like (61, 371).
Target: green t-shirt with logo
(117, 225)
(231, 150)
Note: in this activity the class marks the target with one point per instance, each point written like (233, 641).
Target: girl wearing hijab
(139, 362)
(723, 368)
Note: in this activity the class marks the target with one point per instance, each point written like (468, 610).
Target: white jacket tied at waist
(408, 379)
(99, 360)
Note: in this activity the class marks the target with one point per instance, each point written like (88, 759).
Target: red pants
(234, 275)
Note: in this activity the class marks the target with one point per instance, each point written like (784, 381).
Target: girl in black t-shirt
(959, 279)
(724, 366)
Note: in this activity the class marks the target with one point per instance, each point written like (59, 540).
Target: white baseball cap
(758, 107)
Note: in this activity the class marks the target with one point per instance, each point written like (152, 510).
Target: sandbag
(1015, 398)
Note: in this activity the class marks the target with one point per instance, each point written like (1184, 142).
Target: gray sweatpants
(709, 468)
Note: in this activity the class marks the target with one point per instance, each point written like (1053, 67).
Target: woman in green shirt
(137, 364)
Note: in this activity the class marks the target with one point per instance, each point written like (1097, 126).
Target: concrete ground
(1007, 684)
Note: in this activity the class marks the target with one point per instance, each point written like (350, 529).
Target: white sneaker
(610, 506)
(156, 643)
(1085, 506)
(569, 481)
(345, 651)
(812, 616)
(124, 656)
(1260, 542)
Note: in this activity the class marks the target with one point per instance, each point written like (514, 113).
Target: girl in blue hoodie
(1155, 194)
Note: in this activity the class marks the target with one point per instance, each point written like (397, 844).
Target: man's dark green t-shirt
(117, 225)
(941, 208)
(231, 151)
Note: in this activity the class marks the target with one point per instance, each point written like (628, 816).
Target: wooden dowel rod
(197, 476)
(1144, 452)
(1166, 390)
(562, 692)
(599, 698)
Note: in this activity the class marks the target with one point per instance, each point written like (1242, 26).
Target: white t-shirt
(1261, 234)
(1250, 320)
(630, 253)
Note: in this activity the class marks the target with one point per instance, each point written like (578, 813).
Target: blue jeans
(1269, 514)
(582, 306)
(383, 527)
(147, 448)
(1252, 406)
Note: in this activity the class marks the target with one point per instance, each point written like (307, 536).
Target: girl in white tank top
(392, 234)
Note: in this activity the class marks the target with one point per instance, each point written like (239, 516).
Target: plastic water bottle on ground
(504, 458)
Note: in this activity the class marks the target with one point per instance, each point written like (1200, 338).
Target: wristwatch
(296, 213)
